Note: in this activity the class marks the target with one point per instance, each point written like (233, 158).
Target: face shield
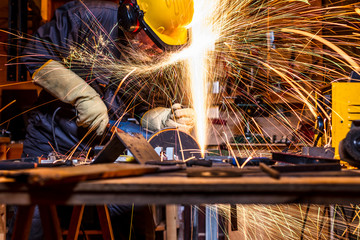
(166, 23)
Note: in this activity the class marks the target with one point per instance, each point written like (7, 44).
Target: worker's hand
(70, 88)
(176, 117)
(181, 118)
(92, 113)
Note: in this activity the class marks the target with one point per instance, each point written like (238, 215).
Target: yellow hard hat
(167, 20)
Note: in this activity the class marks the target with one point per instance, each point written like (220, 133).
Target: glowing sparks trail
(354, 64)
(292, 221)
(203, 42)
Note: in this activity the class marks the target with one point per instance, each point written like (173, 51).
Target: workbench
(176, 188)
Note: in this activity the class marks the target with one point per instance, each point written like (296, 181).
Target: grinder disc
(184, 145)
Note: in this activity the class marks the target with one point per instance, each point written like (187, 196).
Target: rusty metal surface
(63, 175)
(135, 143)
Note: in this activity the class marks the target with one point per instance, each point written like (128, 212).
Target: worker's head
(164, 21)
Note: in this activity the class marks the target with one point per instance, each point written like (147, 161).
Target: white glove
(176, 117)
(70, 88)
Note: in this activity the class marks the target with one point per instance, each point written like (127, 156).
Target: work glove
(65, 85)
(175, 117)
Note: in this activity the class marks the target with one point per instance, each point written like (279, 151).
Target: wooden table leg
(75, 222)
(171, 221)
(50, 222)
(23, 221)
(105, 222)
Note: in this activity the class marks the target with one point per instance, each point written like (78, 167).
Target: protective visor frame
(156, 39)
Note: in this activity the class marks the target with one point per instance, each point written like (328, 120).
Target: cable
(53, 128)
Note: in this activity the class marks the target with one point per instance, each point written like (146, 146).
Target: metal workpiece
(141, 150)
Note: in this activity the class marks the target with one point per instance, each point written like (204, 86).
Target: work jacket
(80, 35)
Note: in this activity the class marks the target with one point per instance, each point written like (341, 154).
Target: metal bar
(301, 159)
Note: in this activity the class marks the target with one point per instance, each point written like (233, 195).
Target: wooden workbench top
(175, 187)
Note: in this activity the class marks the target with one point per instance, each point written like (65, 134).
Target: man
(91, 93)
(78, 100)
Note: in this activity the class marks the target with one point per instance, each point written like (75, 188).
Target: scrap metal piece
(269, 171)
(301, 159)
(314, 167)
(166, 163)
(141, 150)
(198, 162)
(319, 152)
(211, 173)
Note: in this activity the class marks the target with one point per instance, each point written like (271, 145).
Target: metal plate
(141, 150)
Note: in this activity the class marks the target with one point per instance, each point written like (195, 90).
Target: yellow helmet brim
(178, 37)
(167, 21)
(175, 41)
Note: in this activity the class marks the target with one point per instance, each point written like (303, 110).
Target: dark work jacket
(78, 26)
